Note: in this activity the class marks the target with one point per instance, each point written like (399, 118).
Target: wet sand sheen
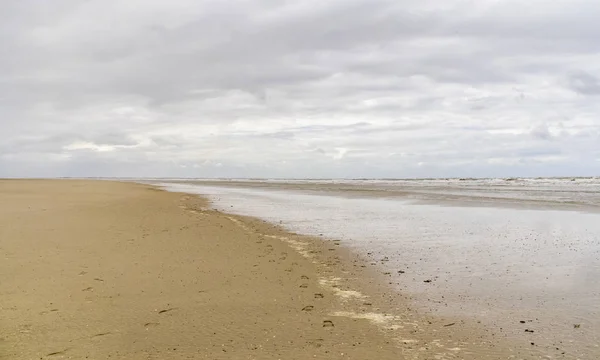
(105, 269)
(527, 275)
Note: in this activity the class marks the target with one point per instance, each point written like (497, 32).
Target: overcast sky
(311, 88)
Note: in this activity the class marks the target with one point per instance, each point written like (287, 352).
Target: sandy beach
(99, 270)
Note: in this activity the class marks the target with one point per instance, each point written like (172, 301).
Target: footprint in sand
(166, 310)
(315, 342)
(57, 352)
(102, 334)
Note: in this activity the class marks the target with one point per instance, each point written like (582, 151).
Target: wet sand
(97, 269)
(582, 194)
(526, 275)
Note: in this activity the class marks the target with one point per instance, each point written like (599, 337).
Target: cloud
(275, 88)
(585, 84)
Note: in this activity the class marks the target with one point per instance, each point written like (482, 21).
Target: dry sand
(113, 270)
(109, 270)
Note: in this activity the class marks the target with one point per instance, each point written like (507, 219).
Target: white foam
(333, 284)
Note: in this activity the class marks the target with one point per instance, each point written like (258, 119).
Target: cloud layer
(277, 88)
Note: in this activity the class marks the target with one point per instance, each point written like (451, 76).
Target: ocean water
(497, 252)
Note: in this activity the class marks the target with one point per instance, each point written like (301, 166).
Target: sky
(299, 89)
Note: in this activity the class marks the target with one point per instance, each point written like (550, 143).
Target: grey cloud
(585, 83)
(305, 89)
(541, 132)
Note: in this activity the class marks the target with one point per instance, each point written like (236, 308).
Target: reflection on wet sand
(525, 264)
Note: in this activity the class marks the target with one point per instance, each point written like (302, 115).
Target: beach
(96, 269)
(107, 269)
(99, 270)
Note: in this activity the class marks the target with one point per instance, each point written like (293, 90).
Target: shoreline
(98, 268)
(417, 195)
(366, 293)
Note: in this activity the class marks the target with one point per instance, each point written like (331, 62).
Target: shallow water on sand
(527, 274)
